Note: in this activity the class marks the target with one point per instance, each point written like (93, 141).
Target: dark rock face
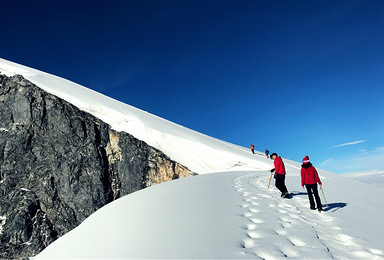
(58, 165)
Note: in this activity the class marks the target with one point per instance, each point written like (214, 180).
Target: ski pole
(270, 178)
(321, 188)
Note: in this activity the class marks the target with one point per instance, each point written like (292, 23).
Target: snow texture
(228, 214)
(374, 177)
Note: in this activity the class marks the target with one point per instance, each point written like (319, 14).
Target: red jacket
(309, 175)
(279, 165)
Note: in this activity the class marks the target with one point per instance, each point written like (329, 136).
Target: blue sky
(298, 77)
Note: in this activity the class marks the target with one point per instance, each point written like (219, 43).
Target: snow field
(187, 218)
(215, 216)
(288, 228)
(375, 177)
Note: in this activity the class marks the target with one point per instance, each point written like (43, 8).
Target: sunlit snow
(228, 213)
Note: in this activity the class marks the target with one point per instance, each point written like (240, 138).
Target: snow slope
(221, 215)
(375, 177)
(199, 152)
(230, 215)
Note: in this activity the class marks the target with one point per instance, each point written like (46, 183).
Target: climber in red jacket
(310, 178)
(252, 148)
(280, 175)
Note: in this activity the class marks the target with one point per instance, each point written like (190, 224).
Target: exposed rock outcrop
(58, 165)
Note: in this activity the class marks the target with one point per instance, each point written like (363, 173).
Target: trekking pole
(270, 178)
(321, 188)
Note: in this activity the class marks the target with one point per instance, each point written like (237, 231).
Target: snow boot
(286, 195)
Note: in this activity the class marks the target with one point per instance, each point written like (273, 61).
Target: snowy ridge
(199, 152)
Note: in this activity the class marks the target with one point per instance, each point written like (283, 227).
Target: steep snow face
(231, 215)
(199, 152)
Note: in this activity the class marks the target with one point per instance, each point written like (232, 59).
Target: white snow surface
(374, 177)
(231, 215)
(227, 214)
(199, 152)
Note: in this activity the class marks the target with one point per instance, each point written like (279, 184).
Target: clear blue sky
(298, 77)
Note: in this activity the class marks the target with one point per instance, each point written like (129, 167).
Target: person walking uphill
(280, 175)
(310, 178)
(252, 148)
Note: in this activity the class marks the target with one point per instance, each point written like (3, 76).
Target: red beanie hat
(306, 159)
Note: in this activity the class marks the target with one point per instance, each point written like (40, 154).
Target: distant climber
(280, 175)
(252, 148)
(266, 152)
(310, 178)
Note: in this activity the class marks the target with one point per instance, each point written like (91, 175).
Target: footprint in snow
(281, 232)
(254, 210)
(375, 251)
(248, 243)
(296, 242)
(254, 235)
(250, 227)
(247, 214)
(256, 220)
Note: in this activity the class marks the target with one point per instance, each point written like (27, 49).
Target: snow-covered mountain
(228, 213)
(58, 165)
(199, 152)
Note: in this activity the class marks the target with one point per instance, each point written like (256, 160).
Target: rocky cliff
(58, 165)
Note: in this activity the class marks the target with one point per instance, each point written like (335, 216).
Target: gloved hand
(273, 170)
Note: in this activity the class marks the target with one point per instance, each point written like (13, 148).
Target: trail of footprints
(292, 231)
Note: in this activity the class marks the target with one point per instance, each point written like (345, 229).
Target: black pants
(312, 191)
(280, 183)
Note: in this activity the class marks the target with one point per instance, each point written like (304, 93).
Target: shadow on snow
(335, 206)
(331, 206)
(293, 194)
